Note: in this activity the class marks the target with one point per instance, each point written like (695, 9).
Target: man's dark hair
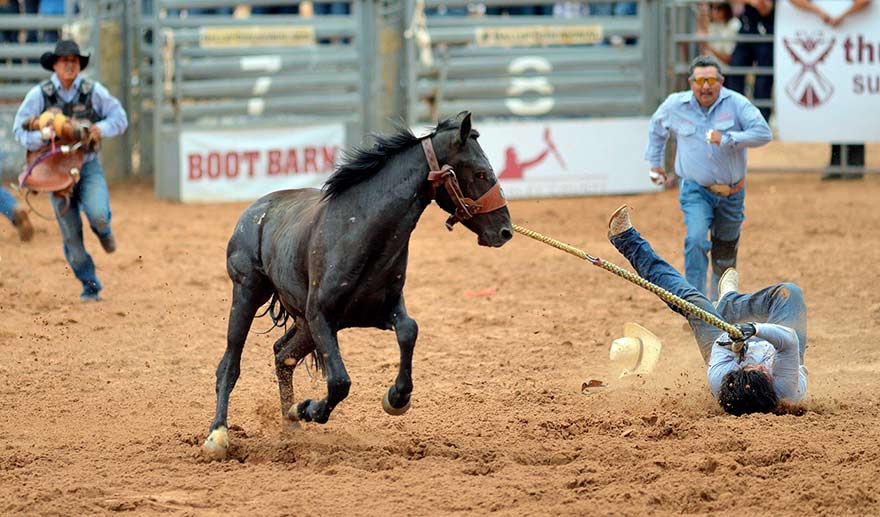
(704, 60)
(747, 391)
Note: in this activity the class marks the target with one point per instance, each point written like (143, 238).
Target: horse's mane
(360, 163)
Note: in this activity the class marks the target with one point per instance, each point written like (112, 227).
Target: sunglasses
(703, 81)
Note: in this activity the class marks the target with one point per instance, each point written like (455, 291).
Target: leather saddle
(52, 171)
(56, 167)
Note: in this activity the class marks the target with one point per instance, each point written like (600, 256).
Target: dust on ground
(103, 407)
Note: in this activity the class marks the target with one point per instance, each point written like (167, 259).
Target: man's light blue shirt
(113, 123)
(773, 346)
(738, 120)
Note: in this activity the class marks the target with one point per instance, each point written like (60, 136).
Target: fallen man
(773, 322)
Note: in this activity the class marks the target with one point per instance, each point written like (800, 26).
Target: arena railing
(529, 66)
(219, 69)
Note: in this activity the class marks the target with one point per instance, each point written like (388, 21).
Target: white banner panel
(568, 157)
(244, 164)
(827, 79)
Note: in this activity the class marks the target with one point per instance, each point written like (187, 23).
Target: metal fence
(530, 65)
(201, 66)
(182, 64)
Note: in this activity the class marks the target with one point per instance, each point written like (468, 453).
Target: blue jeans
(705, 213)
(782, 304)
(7, 203)
(334, 8)
(91, 196)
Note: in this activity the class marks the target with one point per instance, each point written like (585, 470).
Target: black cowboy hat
(64, 47)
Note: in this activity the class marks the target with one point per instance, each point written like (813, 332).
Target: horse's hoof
(301, 411)
(391, 410)
(216, 444)
(290, 422)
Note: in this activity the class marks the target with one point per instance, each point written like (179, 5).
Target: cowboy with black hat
(64, 48)
(91, 104)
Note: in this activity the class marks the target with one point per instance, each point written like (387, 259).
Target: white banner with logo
(827, 79)
(240, 165)
(568, 157)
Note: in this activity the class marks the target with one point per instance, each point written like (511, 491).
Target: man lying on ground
(773, 322)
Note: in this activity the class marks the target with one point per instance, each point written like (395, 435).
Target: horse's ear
(464, 131)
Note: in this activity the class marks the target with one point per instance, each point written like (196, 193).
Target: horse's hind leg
(397, 399)
(295, 344)
(245, 302)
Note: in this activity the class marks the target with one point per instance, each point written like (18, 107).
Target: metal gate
(528, 65)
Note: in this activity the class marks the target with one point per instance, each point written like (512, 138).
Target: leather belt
(727, 190)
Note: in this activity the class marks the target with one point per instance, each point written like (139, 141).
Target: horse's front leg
(338, 382)
(245, 302)
(397, 399)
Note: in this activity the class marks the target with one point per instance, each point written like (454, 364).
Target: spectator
(51, 8)
(8, 7)
(530, 10)
(570, 10)
(30, 7)
(289, 9)
(335, 8)
(757, 18)
(626, 8)
(443, 10)
(227, 11)
(716, 19)
(855, 153)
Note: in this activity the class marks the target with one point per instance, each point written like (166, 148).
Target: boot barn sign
(827, 79)
(231, 165)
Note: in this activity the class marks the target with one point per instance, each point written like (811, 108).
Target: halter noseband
(465, 207)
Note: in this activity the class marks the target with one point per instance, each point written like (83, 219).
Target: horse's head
(466, 186)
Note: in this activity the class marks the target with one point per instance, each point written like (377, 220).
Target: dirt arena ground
(103, 407)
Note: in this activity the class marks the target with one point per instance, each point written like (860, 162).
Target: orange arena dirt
(105, 406)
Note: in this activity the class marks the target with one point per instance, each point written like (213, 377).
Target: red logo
(514, 168)
(809, 88)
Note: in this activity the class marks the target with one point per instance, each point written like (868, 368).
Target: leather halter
(465, 207)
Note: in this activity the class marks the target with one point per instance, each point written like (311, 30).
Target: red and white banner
(827, 78)
(556, 158)
(240, 165)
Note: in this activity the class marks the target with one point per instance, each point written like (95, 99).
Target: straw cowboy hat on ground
(64, 47)
(637, 352)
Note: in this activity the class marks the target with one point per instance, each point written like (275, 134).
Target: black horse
(336, 259)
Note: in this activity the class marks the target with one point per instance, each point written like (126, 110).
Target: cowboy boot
(619, 221)
(22, 223)
(729, 282)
